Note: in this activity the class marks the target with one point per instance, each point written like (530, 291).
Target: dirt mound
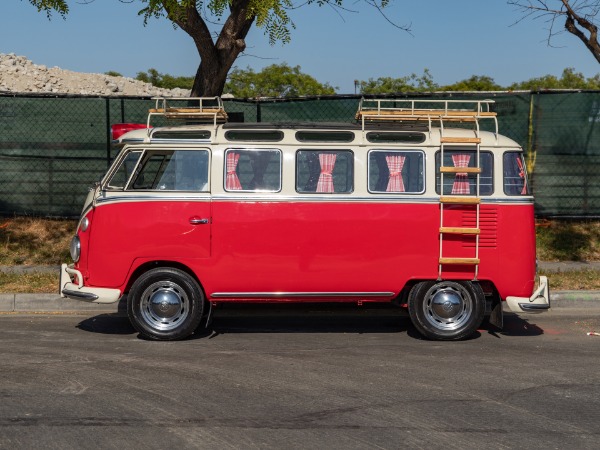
(19, 74)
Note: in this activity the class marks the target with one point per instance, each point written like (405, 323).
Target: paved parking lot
(310, 377)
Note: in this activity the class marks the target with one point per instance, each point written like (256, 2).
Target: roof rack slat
(196, 109)
(400, 110)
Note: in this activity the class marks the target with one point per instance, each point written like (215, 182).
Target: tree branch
(579, 18)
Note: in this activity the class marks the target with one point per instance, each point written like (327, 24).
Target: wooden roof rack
(402, 110)
(190, 109)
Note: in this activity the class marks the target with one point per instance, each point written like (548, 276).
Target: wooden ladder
(469, 200)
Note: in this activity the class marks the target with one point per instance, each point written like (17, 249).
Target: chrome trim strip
(526, 199)
(534, 306)
(325, 198)
(384, 198)
(125, 198)
(205, 196)
(78, 295)
(299, 294)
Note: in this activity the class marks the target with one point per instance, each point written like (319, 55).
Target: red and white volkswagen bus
(412, 204)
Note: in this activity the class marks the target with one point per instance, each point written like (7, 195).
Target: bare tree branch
(580, 18)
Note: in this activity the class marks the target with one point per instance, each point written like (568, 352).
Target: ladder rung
(457, 230)
(460, 200)
(473, 261)
(460, 140)
(460, 169)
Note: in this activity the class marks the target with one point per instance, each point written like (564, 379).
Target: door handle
(198, 221)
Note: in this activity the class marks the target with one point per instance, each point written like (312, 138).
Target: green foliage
(112, 73)
(477, 83)
(276, 80)
(164, 80)
(389, 85)
(271, 15)
(474, 83)
(48, 6)
(569, 80)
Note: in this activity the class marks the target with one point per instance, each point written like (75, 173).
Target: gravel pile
(19, 74)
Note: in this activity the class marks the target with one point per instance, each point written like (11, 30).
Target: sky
(453, 39)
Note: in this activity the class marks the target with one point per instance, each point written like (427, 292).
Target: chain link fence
(52, 148)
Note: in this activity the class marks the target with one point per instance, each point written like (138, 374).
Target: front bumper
(538, 302)
(78, 291)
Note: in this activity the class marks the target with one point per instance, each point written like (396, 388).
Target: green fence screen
(53, 148)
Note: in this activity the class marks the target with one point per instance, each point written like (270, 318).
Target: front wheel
(165, 304)
(446, 310)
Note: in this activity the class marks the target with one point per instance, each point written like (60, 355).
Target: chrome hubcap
(164, 305)
(447, 306)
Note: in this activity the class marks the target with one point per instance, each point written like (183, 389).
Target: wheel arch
(488, 287)
(148, 265)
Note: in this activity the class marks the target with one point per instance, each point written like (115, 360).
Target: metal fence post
(108, 133)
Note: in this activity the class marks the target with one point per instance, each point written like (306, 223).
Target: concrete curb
(568, 266)
(52, 303)
(39, 303)
(575, 299)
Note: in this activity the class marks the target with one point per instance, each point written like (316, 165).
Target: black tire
(165, 304)
(446, 310)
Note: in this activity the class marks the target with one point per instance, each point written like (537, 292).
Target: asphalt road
(319, 377)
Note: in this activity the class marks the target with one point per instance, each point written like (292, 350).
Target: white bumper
(78, 291)
(538, 302)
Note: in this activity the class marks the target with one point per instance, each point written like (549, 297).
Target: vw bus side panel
(363, 247)
(129, 229)
(320, 246)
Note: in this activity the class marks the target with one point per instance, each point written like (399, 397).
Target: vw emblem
(164, 306)
(447, 306)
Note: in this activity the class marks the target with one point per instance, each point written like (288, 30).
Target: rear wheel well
(489, 289)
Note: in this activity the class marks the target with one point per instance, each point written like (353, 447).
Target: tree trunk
(218, 57)
(210, 80)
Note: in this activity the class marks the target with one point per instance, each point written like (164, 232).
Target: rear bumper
(538, 302)
(78, 291)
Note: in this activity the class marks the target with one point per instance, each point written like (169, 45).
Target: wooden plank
(460, 140)
(458, 230)
(460, 169)
(196, 111)
(468, 261)
(460, 200)
(425, 113)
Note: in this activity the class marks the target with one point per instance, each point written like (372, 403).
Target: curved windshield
(123, 173)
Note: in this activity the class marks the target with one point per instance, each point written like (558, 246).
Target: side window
(173, 170)
(463, 183)
(253, 170)
(323, 171)
(396, 171)
(515, 174)
(121, 176)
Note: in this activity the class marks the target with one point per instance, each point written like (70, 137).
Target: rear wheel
(446, 310)
(165, 304)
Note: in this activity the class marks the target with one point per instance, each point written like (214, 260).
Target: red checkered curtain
(395, 164)
(461, 180)
(232, 182)
(522, 175)
(327, 162)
